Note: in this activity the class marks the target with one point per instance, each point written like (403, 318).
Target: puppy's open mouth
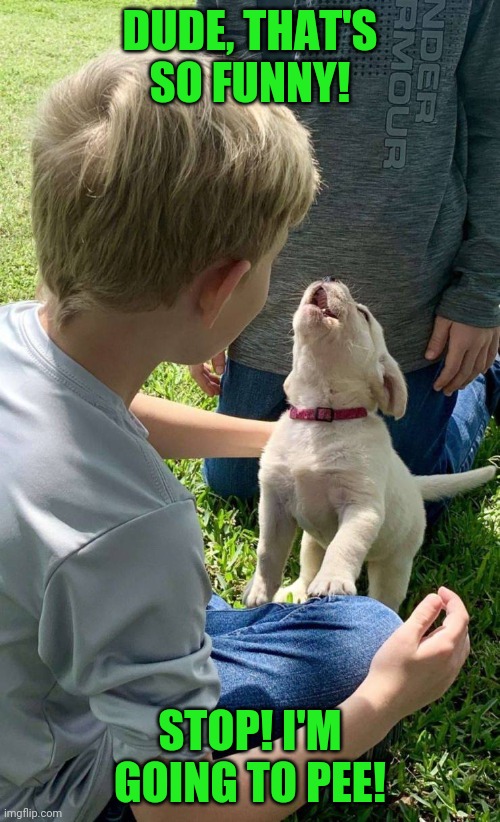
(320, 300)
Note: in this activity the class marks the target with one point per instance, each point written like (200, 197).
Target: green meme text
(309, 38)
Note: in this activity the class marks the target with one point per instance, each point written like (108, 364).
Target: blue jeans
(312, 655)
(437, 435)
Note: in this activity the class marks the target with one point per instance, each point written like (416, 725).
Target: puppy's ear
(389, 388)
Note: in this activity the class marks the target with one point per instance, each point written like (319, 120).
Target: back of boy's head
(131, 199)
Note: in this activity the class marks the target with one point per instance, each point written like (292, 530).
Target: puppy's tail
(440, 486)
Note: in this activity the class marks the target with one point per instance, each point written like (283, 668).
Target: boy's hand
(471, 351)
(413, 668)
(208, 378)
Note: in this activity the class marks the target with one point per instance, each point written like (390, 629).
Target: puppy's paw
(292, 593)
(257, 592)
(324, 586)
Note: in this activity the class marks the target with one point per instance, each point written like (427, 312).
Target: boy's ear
(216, 284)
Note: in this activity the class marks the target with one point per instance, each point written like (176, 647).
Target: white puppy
(338, 476)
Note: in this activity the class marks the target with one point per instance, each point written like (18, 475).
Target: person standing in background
(408, 217)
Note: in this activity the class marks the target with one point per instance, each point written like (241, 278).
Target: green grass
(446, 766)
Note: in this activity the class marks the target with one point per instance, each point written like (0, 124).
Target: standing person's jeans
(312, 655)
(437, 435)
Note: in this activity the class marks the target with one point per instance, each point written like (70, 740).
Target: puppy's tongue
(319, 298)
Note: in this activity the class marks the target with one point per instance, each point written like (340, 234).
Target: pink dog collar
(327, 414)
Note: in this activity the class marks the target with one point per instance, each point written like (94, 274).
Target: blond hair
(131, 199)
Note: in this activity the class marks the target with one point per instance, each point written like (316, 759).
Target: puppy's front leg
(277, 530)
(311, 557)
(358, 529)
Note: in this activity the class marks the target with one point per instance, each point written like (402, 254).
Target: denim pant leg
(475, 406)
(257, 395)
(420, 436)
(440, 434)
(312, 655)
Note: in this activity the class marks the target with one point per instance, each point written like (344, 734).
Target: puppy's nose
(329, 279)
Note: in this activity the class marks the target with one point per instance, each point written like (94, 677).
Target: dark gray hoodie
(409, 215)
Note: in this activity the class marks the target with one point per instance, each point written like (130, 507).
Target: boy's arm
(178, 431)
(411, 669)
(468, 318)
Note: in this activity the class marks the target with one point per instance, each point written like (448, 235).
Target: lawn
(446, 765)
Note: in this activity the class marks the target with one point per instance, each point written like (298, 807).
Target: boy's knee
(377, 623)
(372, 624)
(231, 477)
(364, 625)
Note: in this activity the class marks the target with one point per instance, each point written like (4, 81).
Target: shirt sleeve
(474, 295)
(123, 624)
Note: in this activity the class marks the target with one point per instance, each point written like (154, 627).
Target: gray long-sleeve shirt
(409, 215)
(103, 586)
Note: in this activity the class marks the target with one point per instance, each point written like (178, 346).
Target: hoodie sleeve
(474, 295)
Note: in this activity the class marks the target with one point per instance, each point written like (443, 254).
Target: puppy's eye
(364, 313)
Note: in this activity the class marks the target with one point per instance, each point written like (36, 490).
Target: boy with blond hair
(156, 228)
